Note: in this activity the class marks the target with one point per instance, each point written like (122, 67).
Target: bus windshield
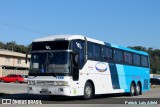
(50, 62)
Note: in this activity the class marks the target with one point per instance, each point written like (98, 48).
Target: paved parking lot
(19, 92)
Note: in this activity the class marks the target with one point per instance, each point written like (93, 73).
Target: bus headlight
(31, 83)
(61, 83)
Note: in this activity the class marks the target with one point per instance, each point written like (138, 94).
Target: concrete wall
(5, 72)
(10, 59)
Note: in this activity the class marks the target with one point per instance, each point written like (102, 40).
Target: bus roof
(66, 37)
(73, 37)
(129, 49)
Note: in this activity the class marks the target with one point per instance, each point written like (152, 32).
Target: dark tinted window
(118, 55)
(8, 75)
(20, 76)
(11, 75)
(78, 46)
(136, 59)
(144, 61)
(50, 45)
(90, 50)
(94, 51)
(14, 76)
(109, 54)
(104, 53)
(128, 57)
(97, 51)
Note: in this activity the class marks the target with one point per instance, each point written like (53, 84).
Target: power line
(22, 28)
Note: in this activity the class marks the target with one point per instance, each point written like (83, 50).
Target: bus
(75, 65)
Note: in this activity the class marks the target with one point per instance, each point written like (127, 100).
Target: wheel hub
(88, 91)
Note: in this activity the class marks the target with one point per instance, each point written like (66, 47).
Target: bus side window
(109, 54)
(90, 50)
(144, 61)
(104, 53)
(128, 57)
(118, 55)
(97, 51)
(136, 59)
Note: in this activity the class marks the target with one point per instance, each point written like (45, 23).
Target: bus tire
(138, 89)
(132, 89)
(88, 91)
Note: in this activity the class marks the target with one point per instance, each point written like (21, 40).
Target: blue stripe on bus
(114, 76)
(121, 76)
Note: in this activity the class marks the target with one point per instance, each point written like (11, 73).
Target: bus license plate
(45, 91)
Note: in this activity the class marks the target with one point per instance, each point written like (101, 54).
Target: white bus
(74, 65)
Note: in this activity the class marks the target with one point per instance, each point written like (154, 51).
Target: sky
(121, 22)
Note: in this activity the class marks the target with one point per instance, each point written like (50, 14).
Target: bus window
(136, 59)
(118, 56)
(128, 57)
(78, 46)
(90, 50)
(97, 51)
(144, 61)
(109, 54)
(104, 53)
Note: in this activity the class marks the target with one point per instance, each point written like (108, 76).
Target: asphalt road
(19, 92)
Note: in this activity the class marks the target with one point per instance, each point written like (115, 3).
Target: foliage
(13, 46)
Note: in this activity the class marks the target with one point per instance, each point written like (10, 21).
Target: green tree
(139, 48)
(2, 45)
(10, 45)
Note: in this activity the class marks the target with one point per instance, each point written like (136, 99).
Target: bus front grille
(44, 82)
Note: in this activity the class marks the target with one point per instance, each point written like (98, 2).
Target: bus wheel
(138, 89)
(88, 91)
(132, 89)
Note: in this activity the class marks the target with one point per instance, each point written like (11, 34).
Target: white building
(13, 63)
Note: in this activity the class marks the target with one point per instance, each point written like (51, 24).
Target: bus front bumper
(51, 90)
